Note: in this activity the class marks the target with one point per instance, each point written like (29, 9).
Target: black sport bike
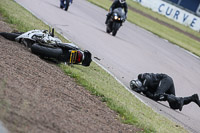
(65, 4)
(115, 22)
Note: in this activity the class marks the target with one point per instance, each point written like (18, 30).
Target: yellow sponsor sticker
(73, 56)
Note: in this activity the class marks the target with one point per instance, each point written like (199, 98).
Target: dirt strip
(36, 96)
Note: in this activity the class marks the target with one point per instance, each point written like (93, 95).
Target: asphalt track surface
(133, 51)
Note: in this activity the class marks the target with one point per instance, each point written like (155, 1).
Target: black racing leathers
(117, 4)
(160, 87)
(155, 85)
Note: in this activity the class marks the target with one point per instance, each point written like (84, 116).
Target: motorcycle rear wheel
(44, 51)
(10, 36)
(114, 32)
(67, 5)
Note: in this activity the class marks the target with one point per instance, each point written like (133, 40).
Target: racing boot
(196, 99)
(193, 98)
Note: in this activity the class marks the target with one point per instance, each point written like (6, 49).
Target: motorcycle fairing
(41, 35)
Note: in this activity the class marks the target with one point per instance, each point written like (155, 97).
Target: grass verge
(95, 79)
(160, 30)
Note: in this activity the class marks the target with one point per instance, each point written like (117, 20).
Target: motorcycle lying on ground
(45, 45)
(115, 22)
(65, 4)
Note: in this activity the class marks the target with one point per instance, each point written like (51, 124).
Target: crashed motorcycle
(45, 45)
(65, 4)
(115, 22)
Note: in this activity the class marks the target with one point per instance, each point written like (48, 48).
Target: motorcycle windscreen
(120, 12)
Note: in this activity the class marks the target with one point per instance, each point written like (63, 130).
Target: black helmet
(87, 58)
(122, 1)
(134, 84)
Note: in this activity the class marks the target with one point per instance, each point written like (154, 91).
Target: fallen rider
(160, 87)
(45, 45)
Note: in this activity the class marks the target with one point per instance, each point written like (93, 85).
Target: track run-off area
(133, 51)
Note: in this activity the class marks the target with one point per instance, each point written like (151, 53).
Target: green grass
(95, 79)
(131, 110)
(22, 21)
(162, 31)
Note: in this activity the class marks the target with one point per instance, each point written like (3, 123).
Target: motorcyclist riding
(63, 4)
(117, 4)
(160, 87)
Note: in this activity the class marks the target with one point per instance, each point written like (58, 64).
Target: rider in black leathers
(117, 4)
(160, 87)
(63, 4)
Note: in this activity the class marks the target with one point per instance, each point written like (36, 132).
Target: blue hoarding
(191, 5)
(174, 1)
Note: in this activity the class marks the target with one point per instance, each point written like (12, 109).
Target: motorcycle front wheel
(115, 28)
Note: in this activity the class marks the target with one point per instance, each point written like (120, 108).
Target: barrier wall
(173, 12)
(191, 5)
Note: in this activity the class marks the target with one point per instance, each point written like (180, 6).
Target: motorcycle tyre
(67, 5)
(44, 51)
(10, 36)
(115, 28)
